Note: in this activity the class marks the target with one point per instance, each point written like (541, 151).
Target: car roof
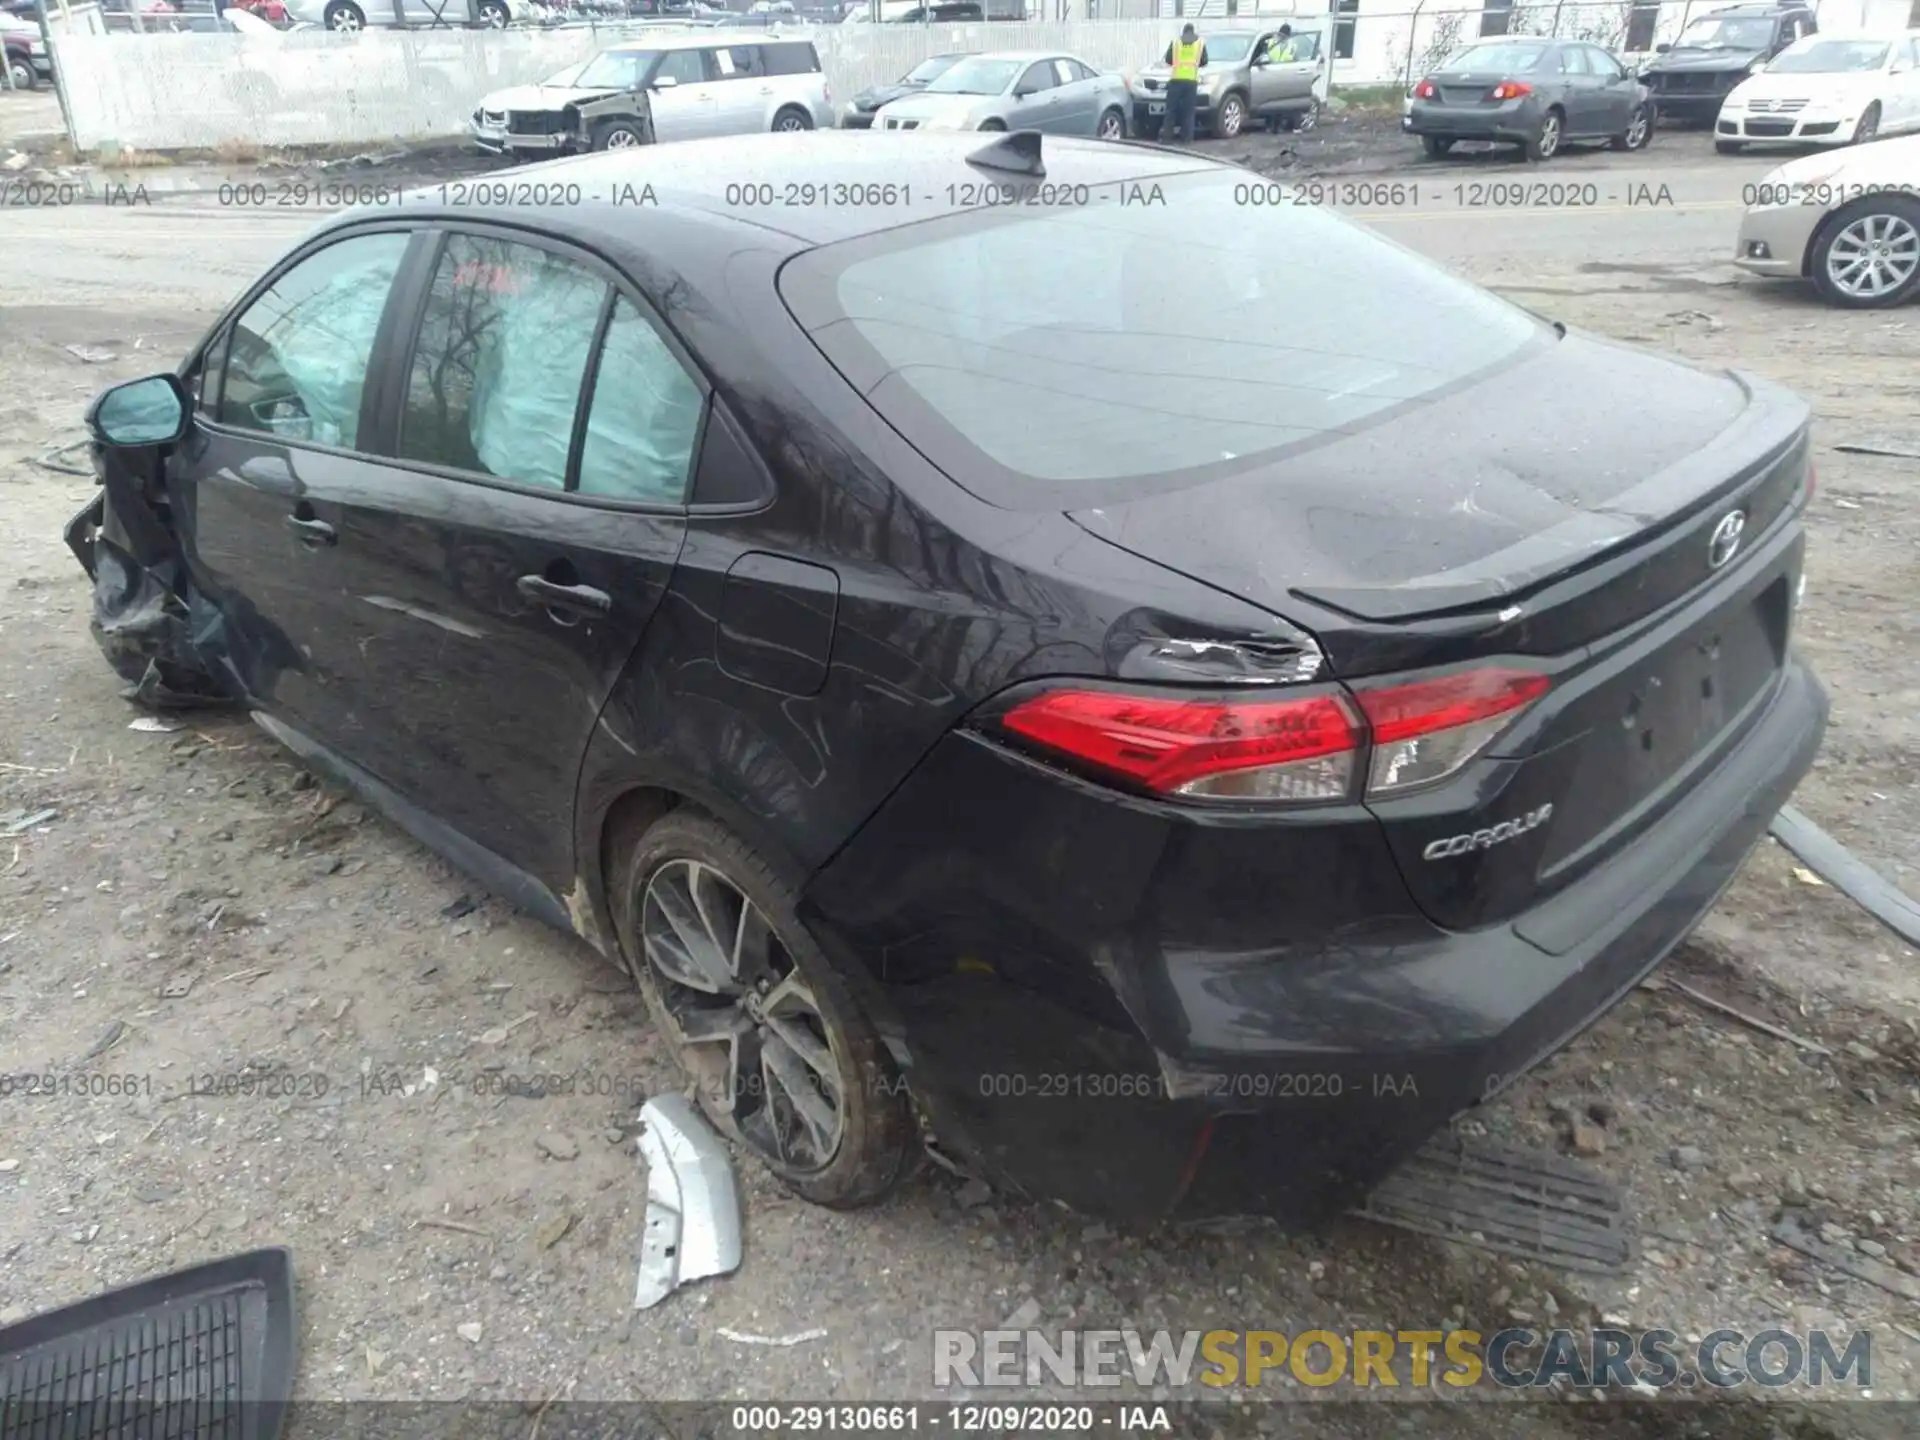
(1027, 55)
(705, 40)
(690, 180)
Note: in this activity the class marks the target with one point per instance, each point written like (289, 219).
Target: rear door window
(497, 370)
(644, 417)
(734, 62)
(790, 59)
(1573, 60)
(297, 358)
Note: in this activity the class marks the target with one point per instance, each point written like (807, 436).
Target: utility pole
(59, 74)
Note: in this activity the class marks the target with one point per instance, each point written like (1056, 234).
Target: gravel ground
(197, 908)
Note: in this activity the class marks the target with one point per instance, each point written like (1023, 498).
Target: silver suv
(680, 87)
(1240, 82)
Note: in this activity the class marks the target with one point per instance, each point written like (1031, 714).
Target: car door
(283, 433)
(1036, 101)
(497, 573)
(683, 101)
(1616, 91)
(1076, 97)
(1574, 88)
(1903, 82)
(1295, 77)
(1266, 77)
(741, 89)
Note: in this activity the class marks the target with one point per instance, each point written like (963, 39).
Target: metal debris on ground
(1831, 860)
(693, 1207)
(20, 821)
(1897, 448)
(91, 354)
(799, 1337)
(149, 725)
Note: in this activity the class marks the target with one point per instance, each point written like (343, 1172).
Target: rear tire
(1638, 135)
(853, 1104)
(345, 17)
(1727, 147)
(1874, 242)
(619, 135)
(791, 120)
(1112, 126)
(1437, 146)
(993, 125)
(493, 14)
(1545, 143)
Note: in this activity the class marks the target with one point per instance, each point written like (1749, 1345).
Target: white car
(350, 15)
(1826, 89)
(1849, 222)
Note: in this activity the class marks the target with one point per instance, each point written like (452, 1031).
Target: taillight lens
(1511, 90)
(1303, 748)
(1299, 749)
(1424, 90)
(1426, 730)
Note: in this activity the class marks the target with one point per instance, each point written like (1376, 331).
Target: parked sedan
(1826, 90)
(1537, 94)
(353, 15)
(1015, 90)
(961, 670)
(1847, 221)
(859, 112)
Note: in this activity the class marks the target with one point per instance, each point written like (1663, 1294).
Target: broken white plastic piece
(693, 1208)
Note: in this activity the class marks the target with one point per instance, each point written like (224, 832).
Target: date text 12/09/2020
(1241, 1085)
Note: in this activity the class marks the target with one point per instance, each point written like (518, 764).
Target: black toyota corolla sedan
(994, 653)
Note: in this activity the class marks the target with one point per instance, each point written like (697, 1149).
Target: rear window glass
(1057, 355)
(1489, 59)
(790, 59)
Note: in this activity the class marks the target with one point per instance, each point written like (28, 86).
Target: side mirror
(1662, 48)
(665, 82)
(152, 411)
(1022, 92)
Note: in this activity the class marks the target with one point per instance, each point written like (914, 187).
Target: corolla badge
(1724, 543)
(1486, 839)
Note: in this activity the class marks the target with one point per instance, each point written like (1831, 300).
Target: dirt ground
(194, 908)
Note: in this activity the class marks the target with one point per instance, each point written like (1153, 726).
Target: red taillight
(1426, 729)
(1296, 749)
(1511, 90)
(1302, 748)
(1424, 90)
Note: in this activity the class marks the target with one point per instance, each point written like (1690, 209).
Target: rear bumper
(1107, 1002)
(1511, 121)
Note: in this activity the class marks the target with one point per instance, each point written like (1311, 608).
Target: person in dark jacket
(1184, 58)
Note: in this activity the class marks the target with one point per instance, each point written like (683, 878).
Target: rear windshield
(1489, 59)
(1058, 356)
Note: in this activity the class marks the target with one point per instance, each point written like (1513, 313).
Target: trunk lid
(1472, 528)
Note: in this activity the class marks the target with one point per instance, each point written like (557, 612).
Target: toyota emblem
(1724, 543)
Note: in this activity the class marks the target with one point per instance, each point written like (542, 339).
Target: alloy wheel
(1112, 127)
(1233, 114)
(1548, 144)
(344, 21)
(1307, 118)
(789, 124)
(1873, 255)
(1638, 130)
(749, 1027)
(622, 139)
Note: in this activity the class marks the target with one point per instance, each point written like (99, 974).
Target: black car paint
(1130, 1004)
(1690, 82)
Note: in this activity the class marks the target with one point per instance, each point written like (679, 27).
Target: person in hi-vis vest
(1185, 56)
